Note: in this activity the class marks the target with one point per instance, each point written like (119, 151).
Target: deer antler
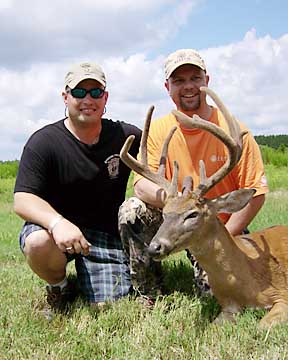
(142, 167)
(234, 141)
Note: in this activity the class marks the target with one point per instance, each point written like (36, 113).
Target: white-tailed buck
(243, 271)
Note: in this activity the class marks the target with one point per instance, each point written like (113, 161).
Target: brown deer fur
(243, 271)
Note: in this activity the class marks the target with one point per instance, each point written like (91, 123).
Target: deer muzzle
(159, 248)
(154, 249)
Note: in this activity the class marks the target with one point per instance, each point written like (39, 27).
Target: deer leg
(224, 316)
(227, 314)
(278, 314)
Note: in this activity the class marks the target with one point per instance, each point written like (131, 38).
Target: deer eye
(192, 215)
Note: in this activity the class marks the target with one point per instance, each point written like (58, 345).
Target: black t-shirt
(84, 183)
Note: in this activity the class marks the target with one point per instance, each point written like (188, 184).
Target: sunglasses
(79, 93)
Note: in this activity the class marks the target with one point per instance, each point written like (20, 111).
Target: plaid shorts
(104, 274)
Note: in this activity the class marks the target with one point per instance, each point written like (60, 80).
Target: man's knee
(130, 210)
(38, 242)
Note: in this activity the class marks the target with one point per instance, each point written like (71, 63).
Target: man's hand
(69, 238)
(150, 193)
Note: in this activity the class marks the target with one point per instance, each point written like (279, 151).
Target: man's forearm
(150, 193)
(34, 209)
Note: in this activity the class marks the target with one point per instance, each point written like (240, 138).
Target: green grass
(179, 327)
(278, 157)
(277, 177)
(8, 169)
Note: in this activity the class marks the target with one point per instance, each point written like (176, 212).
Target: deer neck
(219, 251)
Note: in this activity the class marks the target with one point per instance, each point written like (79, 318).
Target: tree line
(274, 149)
(273, 141)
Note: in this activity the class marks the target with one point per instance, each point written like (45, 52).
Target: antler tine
(162, 163)
(187, 185)
(144, 137)
(142, 167)
(234, 128)
(203, 176)
(233, 141)
(173, 191)
(173, 188)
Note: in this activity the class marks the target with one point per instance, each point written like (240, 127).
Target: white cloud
(249, 75)
(6, 4)
(37, 30)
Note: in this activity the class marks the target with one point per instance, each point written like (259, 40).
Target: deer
(243, 271)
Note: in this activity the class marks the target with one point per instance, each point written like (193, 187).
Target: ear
(233, 201)
(167, 85)
(64, 96)
(106, 95)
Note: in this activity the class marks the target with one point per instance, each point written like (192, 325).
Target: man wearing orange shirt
(185, 73)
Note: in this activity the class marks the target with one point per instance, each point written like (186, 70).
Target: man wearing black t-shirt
(69, 187)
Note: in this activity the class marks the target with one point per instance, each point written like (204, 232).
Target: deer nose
(154, 249)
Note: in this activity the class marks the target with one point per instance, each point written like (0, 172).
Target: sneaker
(59, 299)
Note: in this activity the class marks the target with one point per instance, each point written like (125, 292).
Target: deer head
(190, 217)
(191, 222)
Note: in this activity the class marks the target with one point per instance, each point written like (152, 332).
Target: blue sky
(218, 23)
(244, 45)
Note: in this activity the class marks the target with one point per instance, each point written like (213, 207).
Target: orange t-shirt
(189, 146)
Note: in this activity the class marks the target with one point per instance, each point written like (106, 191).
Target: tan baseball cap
(182, 57)
(83, 71)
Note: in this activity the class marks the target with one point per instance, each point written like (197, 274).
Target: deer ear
(233, 201)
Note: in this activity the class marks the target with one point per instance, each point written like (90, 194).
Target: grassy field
(179, 327)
